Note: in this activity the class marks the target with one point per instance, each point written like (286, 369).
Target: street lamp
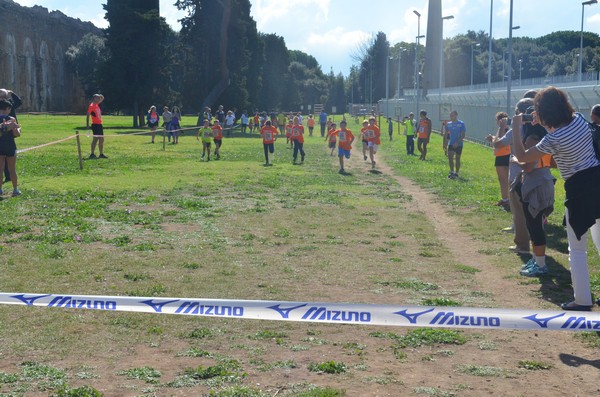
(400, 51)
(489, 86)
(473, 45)
(509, 80)
(417, 57)
(442, 55)
(585, 3)
(520, 71)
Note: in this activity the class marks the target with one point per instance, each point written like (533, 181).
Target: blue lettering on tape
(70, 302)
(449, 318)
(158, 305)
(581, 323)
(542, 322)
(412, 317)
(322, 314)
(29, 300)
(196, 308)
(285, 313)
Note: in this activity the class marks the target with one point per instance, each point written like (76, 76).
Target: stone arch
(11, 61)
(45, 89)
(30, 72)
(59, 75)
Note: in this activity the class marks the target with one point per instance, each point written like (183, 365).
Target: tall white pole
(489, 87)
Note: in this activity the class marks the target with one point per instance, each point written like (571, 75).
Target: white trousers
(580, 277)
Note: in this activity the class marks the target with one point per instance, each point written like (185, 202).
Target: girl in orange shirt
(217, 137)
(298, 139)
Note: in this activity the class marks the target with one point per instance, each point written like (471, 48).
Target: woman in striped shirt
(569, 141)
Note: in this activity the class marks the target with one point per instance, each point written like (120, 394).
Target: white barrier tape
(347, 313)
(45, 144)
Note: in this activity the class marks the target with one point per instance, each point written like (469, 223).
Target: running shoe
(575, 307)
(518, 250)
(102, 156)
(92, 156)
(16, 192)
(530, 263)
(535, 271)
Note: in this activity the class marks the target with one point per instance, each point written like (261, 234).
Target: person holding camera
(409, 123)
(569, 141)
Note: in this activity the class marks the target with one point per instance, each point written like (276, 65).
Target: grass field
(154, 222)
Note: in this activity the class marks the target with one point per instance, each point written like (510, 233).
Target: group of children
(294, 133)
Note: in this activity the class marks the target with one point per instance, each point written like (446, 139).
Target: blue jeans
(410, 144)
(298, 147)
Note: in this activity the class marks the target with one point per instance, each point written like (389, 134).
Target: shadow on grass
(557, 237)
(574, 361)
(556, 285)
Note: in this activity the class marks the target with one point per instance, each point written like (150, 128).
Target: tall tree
(88, 58)
(135, 41)
(221, 46)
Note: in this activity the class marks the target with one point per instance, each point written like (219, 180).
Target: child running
(217, 137)
(207, 134)
(288, 133)
(372, 134)
(269, 136)
(345, 139)
(363, 138)
(331, 137)
(298, 139)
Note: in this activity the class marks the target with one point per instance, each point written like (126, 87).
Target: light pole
(417, 58)
(473, 45)
(441, 85)
(509, 79)
(400, 51)
(489, 87)
(387, 83)
(585, 3)
(520, 71)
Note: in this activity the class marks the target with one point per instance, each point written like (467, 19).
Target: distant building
(33, 43)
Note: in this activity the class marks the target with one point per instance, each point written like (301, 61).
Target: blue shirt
(455, 129)
(323, 117)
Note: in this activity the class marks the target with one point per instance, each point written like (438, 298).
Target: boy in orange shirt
(298, 139)
(363, 138)
(269, 136)
(372, 134)
(345, 139)
(288, 132)
(311, 124)
(217, 137)
(331, 137)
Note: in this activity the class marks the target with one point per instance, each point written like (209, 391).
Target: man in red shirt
(97, 130)
(269, 136)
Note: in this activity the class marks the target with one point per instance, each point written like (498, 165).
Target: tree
(87, 57)
(134, 77)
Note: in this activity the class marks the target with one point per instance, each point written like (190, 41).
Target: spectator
(97, 129)
(323, 122)
(229, 122)
(456, 129)
(167, 118)
(409, 124)
(15, 102)
(502, 159)
(424, 134)
(244, 121)
(9, 130)
(569, 141)
(153, 119)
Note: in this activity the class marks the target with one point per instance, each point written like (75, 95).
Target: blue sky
(331, 30)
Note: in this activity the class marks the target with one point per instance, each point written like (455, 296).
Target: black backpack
(595, 131)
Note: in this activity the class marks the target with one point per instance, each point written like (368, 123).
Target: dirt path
(575, 368)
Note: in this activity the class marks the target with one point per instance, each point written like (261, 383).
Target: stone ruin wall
(33, 64)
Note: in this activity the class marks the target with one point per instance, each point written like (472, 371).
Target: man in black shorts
(97, 130)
